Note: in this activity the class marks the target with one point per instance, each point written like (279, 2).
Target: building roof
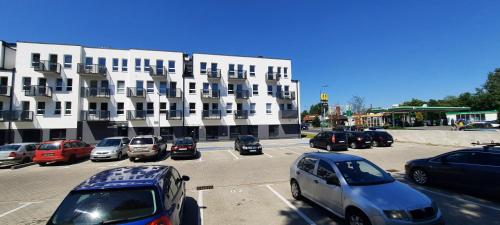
(473, 112)
(401, 109)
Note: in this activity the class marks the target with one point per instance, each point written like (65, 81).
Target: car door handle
(316, 181)
(298, 173)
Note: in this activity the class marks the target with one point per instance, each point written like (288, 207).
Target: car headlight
(245, 147)
(397, 214)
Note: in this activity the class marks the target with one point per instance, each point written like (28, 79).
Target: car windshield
(363, 172)
(49, 146)
(9, 147)
(105, 207)
(184, 141)
(109, 143)
(248, 139)
(142, 141)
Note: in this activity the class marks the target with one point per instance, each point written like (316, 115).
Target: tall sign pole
(323, 97)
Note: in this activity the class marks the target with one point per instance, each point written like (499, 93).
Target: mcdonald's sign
(323, 97)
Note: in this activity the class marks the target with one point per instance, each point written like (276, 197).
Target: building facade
(55, 91)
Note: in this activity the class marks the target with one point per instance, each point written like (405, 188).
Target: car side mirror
(333, 180)
(185, 178)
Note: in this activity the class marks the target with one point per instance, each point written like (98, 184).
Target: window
(137, 65)
(69, 84)
(285, 71)
(461, 157)
(150, 86)
(59, 84)
(252, 108)
(35, 59)
(203, 67)
(307, 164)
(26, 83)
(231, 69)
(101, 61)
(282, 107)
(146, 65)
(120, 108)
(270, 70)
(163, 87)
(67, 61)
(163, 107)
(325, 170)
(252, 70)
(88, 62)
(255, 89)
(115, 64)
(229, 108)
(159, 67)
(230, 89)
(68, 108)
(270, 90)
(192, 88)
(57, 111)
(192, 107)
(150, 108)
(120, 87)
(40, 108)
(171, 66)
(124, 65)
(268, 108)
(279, 70)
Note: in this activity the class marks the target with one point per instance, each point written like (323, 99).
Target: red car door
(67, 148)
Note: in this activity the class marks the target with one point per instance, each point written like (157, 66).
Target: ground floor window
(57, 134)
(274, 130)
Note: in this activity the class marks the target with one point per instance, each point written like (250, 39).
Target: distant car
(380, 138)
(16, 153)
(357, 190)
(480, 126)
(150, 195)
(247, 144)
(61, 151)
(472, 169)
(359, 139)
(304, 126)
(183, 147)
(146, 147)
(329, 140)
(110, 148)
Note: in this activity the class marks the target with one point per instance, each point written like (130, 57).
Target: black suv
(247, 144)
(329, 140)
(358, 139)
(380, 138)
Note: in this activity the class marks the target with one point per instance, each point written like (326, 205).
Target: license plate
(389, 141)
(182, 149)
(341, 141)
(253, 150)
(49, 154)
(367, 142)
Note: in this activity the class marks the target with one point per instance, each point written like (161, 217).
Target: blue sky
(387, 51)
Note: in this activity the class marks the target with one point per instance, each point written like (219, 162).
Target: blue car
(151, 195)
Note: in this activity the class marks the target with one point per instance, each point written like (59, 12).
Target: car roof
(145, 136)
(124, 177)
(56, 141)
(118, 137)
(333, 157)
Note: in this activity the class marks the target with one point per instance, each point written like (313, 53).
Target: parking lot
(250, 189)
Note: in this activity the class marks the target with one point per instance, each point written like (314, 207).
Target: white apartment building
(53, 91)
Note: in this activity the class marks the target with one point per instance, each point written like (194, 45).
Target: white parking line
(306, 218)
(456, 197)
(230, 152)
(18, 208)
(270, 156)
(201, 206)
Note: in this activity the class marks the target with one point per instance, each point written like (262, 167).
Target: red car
(61, 151)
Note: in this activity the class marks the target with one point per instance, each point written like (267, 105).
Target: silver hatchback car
(17, 153)
(357, 190)
(110, 148)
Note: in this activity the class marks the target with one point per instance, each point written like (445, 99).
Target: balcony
(16, 115)
(210, 94)
(272, 76)
(241, 114)
(286, 95)
(37, 91)
(5, 91)
(95, 115)
(136, 114)
(239, 75)
(102, 92)
(174, 93)
(289, 114)
(92, 69)
(158, 71)
(214, 114)
(214, 74)
(136, 92)
(47, 67)
(174, 114)
(242, 94)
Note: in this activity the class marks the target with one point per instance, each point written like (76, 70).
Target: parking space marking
(201, 206)
(270, 156)
(18, 208)
(456, 197)
(230, 152)
(283, 199)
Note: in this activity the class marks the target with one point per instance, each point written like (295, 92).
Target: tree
(358, 104)
(414, 102)
(316, 122)
(316, 109)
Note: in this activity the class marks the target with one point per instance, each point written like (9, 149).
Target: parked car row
(342, 140)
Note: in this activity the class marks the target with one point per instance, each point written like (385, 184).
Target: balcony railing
(136, 92)
(210, 93)
(286, 95)
(213, 73)
(174, 93)
(241, 114)
(37, 90)
(214, 114)
(237, 75)
(16, 115)
(92, 69)
(289, 114)
(272, 76)
(174, 114)
(95, 115)
(102, 92)
(5, 91)
(47, 67)
(136, 114)
(242, 94)
(158, 71)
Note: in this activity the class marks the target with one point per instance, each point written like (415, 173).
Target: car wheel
(26, 160)
(132, 159)
(353, 145)
(295, 188)
(119, 156)
(356, 217)
(72, 159)
(241, 152)
(329, 147)
(311, 144)
(375, 144)
(419, 176)
(42, 164)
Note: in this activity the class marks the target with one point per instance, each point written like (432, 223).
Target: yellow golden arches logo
(323, 97)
